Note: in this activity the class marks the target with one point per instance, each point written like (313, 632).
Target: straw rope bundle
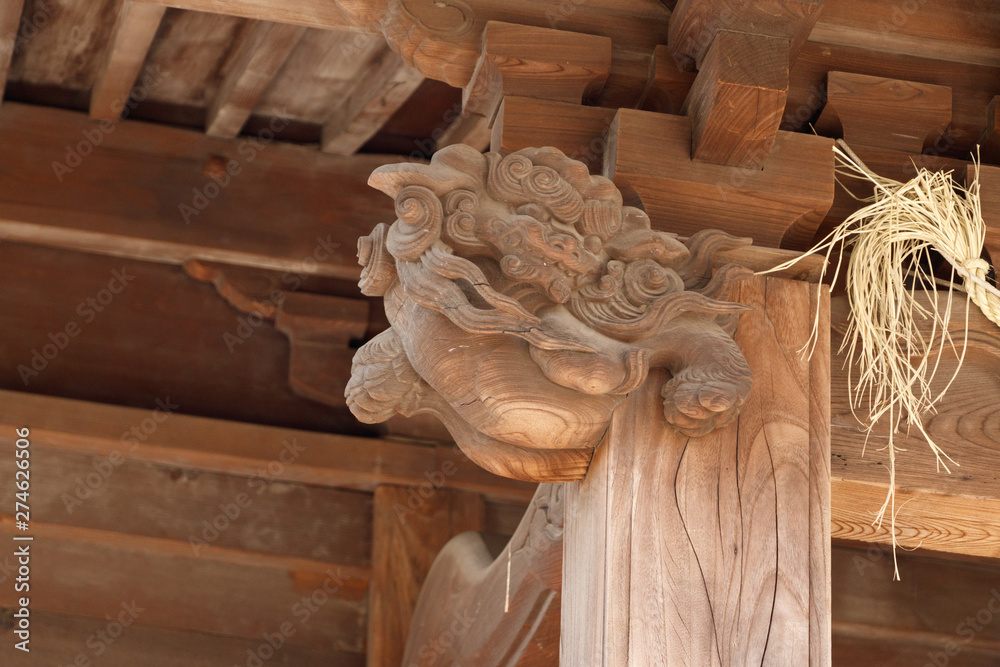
(891, 241)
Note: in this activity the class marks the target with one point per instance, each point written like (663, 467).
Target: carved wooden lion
(526, 301)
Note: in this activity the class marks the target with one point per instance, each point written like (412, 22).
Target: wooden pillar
(714, 549)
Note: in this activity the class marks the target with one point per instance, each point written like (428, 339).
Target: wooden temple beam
(951, 515)
(244, 449)
(93, 573)
(262, 51)
(206, 189)
(468, 129)
(133, 33)
(10, 23)
(381, 90)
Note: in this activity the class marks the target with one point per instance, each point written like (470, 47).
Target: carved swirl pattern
(529, 259)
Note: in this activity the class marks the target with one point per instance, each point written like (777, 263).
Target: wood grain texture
(472, 612)
(989, 202)
(694, 24)
(237, 448)
(468, 129)
(537, 63)
(700, 550)
(410, 526)
(260, 54)
(648, 156)
(737, 99)
(312, 13)
(945, 514)
(66, 638)
(886, 113)
(133, 33)
(93, 573)
(964, 32)
(596, 294)
(379, 93)
(166, 208)
(668, 84)
(973, 86)
(578, 131)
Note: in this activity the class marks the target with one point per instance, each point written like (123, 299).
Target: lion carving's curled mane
(526, 301)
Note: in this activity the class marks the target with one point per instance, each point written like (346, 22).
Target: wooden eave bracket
(538, 63)
(743, 54)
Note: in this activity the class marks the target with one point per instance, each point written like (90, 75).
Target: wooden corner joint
(526, 302)
(541, 63)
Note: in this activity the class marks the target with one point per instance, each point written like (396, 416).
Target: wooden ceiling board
(61, 44)
(189, 54)
(323, 68)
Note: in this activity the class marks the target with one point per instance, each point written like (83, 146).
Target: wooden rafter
(131, 37)
(380, 92)
(261, 53)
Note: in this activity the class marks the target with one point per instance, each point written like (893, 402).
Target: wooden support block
(477, 610)
(668, 84)
(578, 131)
(738, 98)
(694, 24)
(10, 21)
(410, 526)
(380, 92)
(536, 62)
(133, 33)
(320, 329)
(989, 140)
(885, 113)
(705, 550)
(261, 53)
(648, 157)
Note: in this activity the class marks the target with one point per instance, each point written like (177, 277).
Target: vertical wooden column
(410, 527)
(711, 550)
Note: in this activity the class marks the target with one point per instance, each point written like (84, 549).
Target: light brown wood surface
(649, 158)
(134, 31)
(262, 50)
(737, 99)
(700, 550)
(380, 92)
(888, 113)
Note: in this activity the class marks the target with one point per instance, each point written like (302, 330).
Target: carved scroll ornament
(526, 302)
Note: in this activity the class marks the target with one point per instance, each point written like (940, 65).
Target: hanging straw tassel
(891, 238)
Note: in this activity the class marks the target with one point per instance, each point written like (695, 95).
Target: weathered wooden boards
(10, 22)
(179, 195)
(944, 513)
(262, 50)
(713, 549)
(407, 536)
